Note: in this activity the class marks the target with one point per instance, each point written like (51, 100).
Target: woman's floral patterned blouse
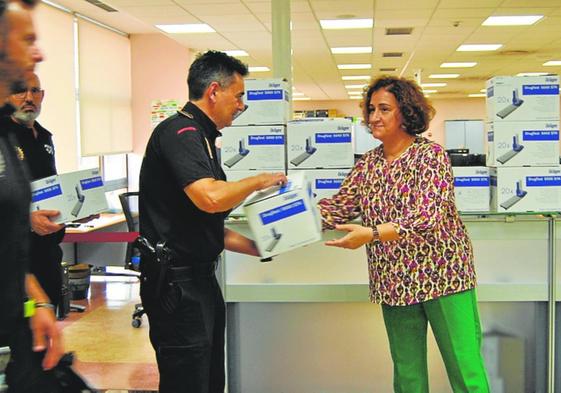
(433, 256)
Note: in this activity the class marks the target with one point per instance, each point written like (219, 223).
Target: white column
(282, 43)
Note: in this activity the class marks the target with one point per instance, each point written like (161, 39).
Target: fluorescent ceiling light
(443, 76)
(296, 94)
(354, 66)
(236, 53)
(355, 77)
(259, 69)
(517, 20)
(433, 84)
(464, 64)
(478, 47)
(186, 28)
(483, 90)
(477, 95)
(532, 73)
(301, 99)
(351, 49)
(429, 91)
(355, 97)
(57, 6)
(552, 63)
(354, 86)
(333, 24)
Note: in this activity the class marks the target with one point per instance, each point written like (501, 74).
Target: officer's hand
(46, 336)
(271, 179)
(40, 223)
(356, 237)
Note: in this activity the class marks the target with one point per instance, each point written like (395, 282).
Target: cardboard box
(505, 360)
(526, 98)
(528, 143)
(325, 182)
(268, 102)
(319, 143)
(472, 188)
(253, 147)
(525, 189)
(76, 195)
(283, 218)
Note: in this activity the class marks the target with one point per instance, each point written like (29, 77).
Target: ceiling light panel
(478, 47)
(532, 74)
(351, 49)
(355, 77)
(259, 69)
(191, 28)
(552, 63)
(339, 24)
(236, 53)
(477, 95)
(442, 84)
(443, 76)
(354, 66)
(515, 20)
(465, 64)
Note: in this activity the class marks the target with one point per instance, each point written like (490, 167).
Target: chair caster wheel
(136, 322)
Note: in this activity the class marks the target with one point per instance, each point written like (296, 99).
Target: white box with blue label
(523, 98)
(325, 182)
(75, 194)
(472, 188)
(284, 218)
(268, 102)
(523, 143)
(525, 189)
(253, 147)
(319, 143)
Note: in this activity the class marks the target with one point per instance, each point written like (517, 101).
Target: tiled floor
(111, 354)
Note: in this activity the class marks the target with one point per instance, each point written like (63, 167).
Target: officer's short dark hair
(416, 110)
(28, 3)
(213, 66)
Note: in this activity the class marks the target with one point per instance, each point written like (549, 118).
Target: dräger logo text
(274, 85)
(50, 181)
(481, 172)
(554, 171)
(343, 128)
(289, 197)
(276, 130)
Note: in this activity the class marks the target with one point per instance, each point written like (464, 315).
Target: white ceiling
(439, 27)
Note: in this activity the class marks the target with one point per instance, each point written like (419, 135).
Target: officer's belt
(184, 273)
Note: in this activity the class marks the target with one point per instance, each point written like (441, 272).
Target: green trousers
(454, 320)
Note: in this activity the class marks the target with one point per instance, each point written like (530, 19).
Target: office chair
(128, 201)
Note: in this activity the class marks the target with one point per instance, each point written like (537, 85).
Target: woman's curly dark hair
(415, 109)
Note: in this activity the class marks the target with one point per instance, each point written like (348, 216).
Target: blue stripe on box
(333, 137)
(540, 135)
(282, 212)
(543, 181)
(266, 140)
(46, 193)
(471, 181)
(90, 183)
(328, 184)
(263, 95)
(540, 90)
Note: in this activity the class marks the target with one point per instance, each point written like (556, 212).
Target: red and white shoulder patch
(181, 131)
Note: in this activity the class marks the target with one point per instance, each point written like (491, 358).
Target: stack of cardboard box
(523, 143)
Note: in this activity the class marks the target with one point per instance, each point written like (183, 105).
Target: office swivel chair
(128, 201)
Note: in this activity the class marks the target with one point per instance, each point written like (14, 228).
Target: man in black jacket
(35, 148)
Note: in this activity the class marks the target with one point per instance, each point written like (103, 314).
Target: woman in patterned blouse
(420, 258)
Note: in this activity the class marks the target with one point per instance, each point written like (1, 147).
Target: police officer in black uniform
(35, 147)
(184, 199)
(18, 54)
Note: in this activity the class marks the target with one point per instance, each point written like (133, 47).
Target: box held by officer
(75, 194)
(283, 218)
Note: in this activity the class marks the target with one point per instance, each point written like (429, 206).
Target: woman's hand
(356, 237)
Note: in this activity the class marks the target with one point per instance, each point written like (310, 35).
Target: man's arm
(213, 196)
(233, 241)
(46, 334)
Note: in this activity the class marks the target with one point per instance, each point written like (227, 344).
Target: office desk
(99, 242)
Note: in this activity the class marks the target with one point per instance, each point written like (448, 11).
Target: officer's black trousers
(46, 259)
(187, 333)
(24, 373)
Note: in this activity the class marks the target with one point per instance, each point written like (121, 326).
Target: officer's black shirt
(15, 196)
(176, 156)
(39, 156)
